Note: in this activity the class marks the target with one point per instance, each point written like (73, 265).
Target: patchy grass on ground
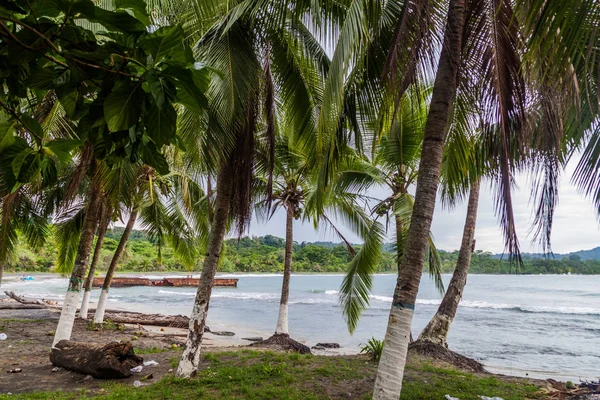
(247, 374)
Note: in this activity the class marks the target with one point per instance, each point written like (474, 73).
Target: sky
(575, 221)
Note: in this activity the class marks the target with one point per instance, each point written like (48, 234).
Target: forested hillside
(265, 254)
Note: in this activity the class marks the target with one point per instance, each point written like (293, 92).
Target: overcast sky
(575, 222)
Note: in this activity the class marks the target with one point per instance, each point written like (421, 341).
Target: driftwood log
(173, 321)
(106, 361)
(33, 302)
(116, 316)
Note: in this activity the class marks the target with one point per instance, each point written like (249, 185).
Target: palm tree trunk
(388, 383)
(67, 314)
(282, 321)
(437, 330)
(191, 354)
(83, 312)
(1, 272)
(99, 316)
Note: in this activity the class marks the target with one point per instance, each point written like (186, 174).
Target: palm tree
(437, 329)
(394, 166)
(262, 61)
(170, 210)
(104, 219)
(295, 186)
(480, 39)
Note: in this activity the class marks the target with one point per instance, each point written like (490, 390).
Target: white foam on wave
(312, 300)
(228, 295)
(386, 299)
(503, 306)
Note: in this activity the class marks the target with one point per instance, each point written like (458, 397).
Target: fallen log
(116, 316)
(172, 321)
(23, 300)
(105, 361)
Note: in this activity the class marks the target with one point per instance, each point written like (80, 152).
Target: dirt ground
(30, 334)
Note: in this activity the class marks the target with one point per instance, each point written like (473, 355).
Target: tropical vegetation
(187, 119)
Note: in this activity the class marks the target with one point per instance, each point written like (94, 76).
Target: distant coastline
(265, 255)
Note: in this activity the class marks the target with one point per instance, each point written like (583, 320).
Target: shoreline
(224, 321)
(220, 342)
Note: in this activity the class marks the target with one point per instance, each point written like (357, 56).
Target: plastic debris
(448, 397)
(14, 371)
(150, 363)
(491, 398)
(55, 369)
(137, 383)
(139, 368)
(3, 336)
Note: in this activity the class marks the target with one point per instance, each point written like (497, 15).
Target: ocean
(544, 326)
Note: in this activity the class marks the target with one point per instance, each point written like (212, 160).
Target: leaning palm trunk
(99, 316)
(1, 272)
(282, 321)
(191, 354)
(388, 383)
(83, 312)
(67, 315)
(436, 331)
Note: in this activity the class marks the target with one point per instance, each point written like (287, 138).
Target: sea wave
(502, 306)
(228, 295)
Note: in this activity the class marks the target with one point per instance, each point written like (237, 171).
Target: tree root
(283, 341)
(441, 353)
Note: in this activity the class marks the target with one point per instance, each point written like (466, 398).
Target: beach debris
(223, 333)
(323, 346)
(448, 397)
(253, 338)
(88, 377)
(3, 336)
(107, 361)
(137, 383)
(136, 369)
(490, 398)
(148, 377)
(570, 385)
(55, 369)
(14, 371)
(150, 363)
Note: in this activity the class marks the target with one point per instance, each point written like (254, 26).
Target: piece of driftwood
(23, 300)
(116, 316)
(172, 321)
(105, 361)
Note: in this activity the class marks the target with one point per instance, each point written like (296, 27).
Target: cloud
(575, 221)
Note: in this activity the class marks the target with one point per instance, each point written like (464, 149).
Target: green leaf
(40, 79)
(155, 159)
(122, 108)
(161, 124)
(136, 7)
(117, 20)
(166, 43)
(193, 83)
(69, 98)
(33, 127)
(62, 148)
(161, 89)
(7, 137)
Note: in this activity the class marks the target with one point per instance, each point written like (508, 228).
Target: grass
(256, 375)
(152, 350)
